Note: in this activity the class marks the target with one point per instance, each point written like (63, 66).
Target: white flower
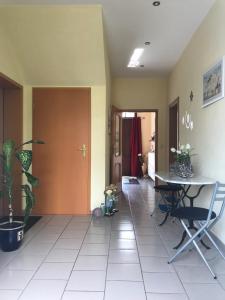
(139, 154)
(188, 146)
(173, 150)
(178, 152)
(108, 192)
(181, 147)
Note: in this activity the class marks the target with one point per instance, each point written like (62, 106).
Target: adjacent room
(112, 150)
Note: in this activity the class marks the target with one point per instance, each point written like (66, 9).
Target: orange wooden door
(62, 118)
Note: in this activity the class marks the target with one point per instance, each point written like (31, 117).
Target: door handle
(83, 149)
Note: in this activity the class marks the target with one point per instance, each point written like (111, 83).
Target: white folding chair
(204, 219)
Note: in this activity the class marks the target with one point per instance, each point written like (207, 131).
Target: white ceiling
(129, 23)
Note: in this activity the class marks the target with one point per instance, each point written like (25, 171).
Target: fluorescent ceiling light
(136, 54)
(133, 64)
(134, 60)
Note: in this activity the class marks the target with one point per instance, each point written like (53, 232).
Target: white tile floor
(116, 258)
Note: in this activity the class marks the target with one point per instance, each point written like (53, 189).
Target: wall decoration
(187, 121)
(191, 96)
(213, 83)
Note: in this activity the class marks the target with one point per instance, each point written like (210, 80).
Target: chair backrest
(218, 196)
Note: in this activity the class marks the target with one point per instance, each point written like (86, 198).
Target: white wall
(208, 137)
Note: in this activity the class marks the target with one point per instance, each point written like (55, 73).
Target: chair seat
(165, 208)
(167, 188)
(192, 213)
(172, 199)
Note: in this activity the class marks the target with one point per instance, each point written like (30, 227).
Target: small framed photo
(213, 83)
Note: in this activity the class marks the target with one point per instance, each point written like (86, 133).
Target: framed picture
(213, 83)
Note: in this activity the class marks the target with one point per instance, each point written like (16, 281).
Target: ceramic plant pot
(11, 235)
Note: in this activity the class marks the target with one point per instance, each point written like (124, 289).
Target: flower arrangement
(182, 166)
(183, 153)
(110, 193)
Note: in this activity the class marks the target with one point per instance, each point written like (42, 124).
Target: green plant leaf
(30, 201)
(8, 149)
(31, 179)
(25, 157)
(31, 142)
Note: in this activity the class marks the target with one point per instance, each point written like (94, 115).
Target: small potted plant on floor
(11, 231)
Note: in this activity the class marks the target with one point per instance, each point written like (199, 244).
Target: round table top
(173, 178)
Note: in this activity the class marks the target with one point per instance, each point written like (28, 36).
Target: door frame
(156, 111)
(8, 84)
(172, 105)
(115, 160)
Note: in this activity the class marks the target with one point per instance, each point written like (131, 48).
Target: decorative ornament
(187, 121)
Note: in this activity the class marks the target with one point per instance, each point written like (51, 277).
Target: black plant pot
(11, 235)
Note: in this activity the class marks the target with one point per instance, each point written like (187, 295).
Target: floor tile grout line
(107, 265)
(20, 251)
(64, 290)
(168, 255)
(32, 278)
(129, 203)
(185, 292)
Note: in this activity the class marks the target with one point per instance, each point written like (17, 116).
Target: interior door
(116, 147)
(173, 128)
(62, 118)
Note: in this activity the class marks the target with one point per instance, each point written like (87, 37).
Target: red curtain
(136, 146)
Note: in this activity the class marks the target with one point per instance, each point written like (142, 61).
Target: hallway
(117, 258)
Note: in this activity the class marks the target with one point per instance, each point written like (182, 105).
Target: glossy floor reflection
(110, 258)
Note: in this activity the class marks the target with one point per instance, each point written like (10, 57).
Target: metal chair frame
(163, 199)
(205, 226)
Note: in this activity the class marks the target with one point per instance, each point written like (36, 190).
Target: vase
(144, 169)
(183, 168)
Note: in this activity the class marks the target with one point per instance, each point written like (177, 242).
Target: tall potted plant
(11, 231)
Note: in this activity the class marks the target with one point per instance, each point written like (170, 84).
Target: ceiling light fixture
(134, 60)
(156, 3)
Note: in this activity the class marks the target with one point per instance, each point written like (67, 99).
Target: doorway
(173, 128)
(146, 139)
(11, 124)
(62, 119)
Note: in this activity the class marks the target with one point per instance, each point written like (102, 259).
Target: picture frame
(213, 83)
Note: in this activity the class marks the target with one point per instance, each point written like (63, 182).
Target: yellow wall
(107, 111)
(147, 130)
(98, 141)
(144, 93)
(57, 44)
(51, 51)
(9, 62)
(208, 140)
